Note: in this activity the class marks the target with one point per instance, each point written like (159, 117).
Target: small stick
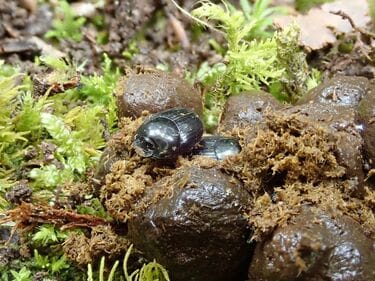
(28, 213)
(186, 13)
(345, 16)
(360, 43)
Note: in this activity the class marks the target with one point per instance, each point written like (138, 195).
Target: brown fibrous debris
(286, 148)
(291, 163)
(129, 177)
(268, 213)
(103, 241)
(27, 214)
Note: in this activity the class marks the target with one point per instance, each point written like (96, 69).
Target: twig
(345, 16)
(359, 31)
(186, 13)
(28, 213)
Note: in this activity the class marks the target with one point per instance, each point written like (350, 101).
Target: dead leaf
(319, 26)
(358, 10)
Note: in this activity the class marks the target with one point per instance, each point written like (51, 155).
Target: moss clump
(122, 191)
(102, 241)
(249, 62)
(286, 150)
(268, 213)
(129, 177)
(297, 78)
(289, 163)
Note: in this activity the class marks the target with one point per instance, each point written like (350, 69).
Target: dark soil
(167, 43)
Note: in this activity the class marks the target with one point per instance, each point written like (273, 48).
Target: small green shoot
(93, 207)
(47, 235)
(67, 25)
(23, 275)
(149, 272)
(111, 274)
(260, 16)
(54, 264)
(58, 264)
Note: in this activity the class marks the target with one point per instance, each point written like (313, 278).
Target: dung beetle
(217, 147)
(167, 134)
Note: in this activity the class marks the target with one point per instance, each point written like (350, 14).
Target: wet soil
(367, 117)
(315, 246)
(197, 228)
(155, 91)
(246, 109)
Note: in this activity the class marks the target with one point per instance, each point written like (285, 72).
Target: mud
(344, 129)
(246, 109)
(125, 19)
(155, 91)
(197, 228)
(367, 117)
(19, 26)
(341, 90)
(315, 245)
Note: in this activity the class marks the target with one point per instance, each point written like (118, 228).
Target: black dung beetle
(167, 134)
(217, 147)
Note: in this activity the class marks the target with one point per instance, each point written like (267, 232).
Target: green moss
(15, 122)
(66, 25)
(305, 5)
(75, 122)
(371, 4)
(47, 235)
(297, 78)
(250, 61)
(248, 64)
(93, 207)
(78, 122)
(22, 275)
(151, 271)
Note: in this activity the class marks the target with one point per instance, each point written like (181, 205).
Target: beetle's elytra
(167, 134)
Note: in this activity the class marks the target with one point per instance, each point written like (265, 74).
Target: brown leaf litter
(320, 26)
